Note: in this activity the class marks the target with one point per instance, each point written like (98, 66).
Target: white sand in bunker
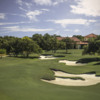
(90, 79)
(47, 57)
(71, 63)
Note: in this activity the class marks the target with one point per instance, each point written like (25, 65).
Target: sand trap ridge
(90, 79)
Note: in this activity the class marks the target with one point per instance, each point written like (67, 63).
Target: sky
(61, 17)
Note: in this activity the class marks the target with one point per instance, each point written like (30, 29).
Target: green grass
(20, 78)
(75, 54)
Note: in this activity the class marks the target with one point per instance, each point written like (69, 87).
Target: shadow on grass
(87, 60)
(28, 57)
(63, 53)
(53, 69)
(54, 55)
(97, 63)
(89, 72)
(25, 57)
(48, 54)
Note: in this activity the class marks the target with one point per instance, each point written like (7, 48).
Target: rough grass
(20, 79)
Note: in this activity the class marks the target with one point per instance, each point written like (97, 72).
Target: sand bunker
(47, 57)
(90, 79)
(71, 63)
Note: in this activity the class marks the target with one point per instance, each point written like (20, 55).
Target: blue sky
(62, 17)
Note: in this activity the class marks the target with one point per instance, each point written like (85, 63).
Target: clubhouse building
(78, 42)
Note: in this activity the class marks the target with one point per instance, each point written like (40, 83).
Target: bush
(2, 52)
(48, 77)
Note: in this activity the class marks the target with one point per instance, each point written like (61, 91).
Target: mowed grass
(20, 79)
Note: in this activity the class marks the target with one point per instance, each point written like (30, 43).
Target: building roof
(92, 35)
(75, 39)
(72, 38)
(60, 38)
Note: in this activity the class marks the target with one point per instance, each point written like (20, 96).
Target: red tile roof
(92, 35)
(60, 38)
(75, 39)
(72, 38)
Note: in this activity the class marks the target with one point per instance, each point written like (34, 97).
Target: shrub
(48, 77)
(2, 52)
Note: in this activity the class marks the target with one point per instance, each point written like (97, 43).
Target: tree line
(15, 46)
(38, 43)
(35, 44)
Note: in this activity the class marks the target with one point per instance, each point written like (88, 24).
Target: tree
(54, 43)
(47, 41)
(93, 47)
(2, 52)
(98, 46)
(62, 45)
(38, 38)
(15, 46)
(29, 46)
(68, 43)
(80, 37)
(7, 43)
(98, 37)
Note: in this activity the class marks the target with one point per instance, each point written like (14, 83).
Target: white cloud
(45, 9)
(32, 14)
(49, 2)
(21, 3)
(65, 22)
(87, 7)
(67, 30)
(22, 29)
(43, 2)
(22, 9)
(13, 23)
(76, 30)
(5, 23)
(2, 16)
(55, 3)
(28, 5)
(58, 2)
